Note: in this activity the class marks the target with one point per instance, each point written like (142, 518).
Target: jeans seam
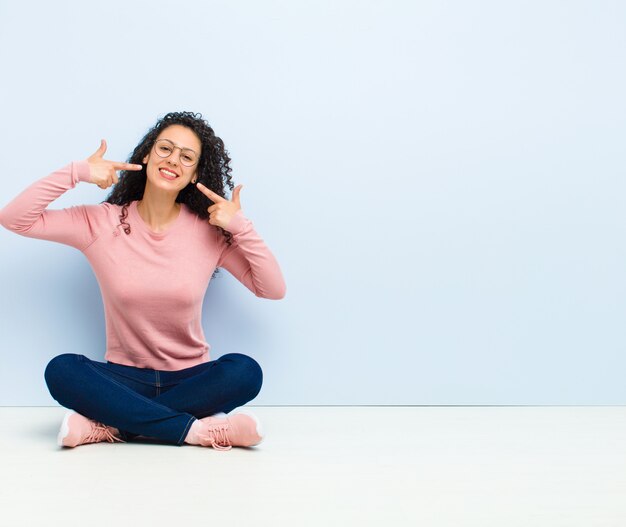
(186, 431)
(126, 376)
(126, 388)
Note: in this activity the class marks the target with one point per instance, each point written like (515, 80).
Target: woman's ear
(145, 159)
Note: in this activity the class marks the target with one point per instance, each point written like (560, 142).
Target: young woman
(154, 245)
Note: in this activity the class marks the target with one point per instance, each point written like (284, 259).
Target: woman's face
(182, 147)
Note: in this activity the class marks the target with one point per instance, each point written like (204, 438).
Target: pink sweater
(152, 284)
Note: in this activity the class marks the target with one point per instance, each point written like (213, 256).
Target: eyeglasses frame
(174, 147)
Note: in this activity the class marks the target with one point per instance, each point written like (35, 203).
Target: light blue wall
(441, 182)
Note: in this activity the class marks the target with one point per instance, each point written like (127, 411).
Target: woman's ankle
(192, 435)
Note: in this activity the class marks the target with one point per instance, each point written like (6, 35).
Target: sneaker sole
(65, 429)
(259, 429)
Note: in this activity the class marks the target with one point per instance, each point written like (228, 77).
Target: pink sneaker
(77, 429)
(239, 428)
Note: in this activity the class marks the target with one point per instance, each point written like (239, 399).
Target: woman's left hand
(222, 210)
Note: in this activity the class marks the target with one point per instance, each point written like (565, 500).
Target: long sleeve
(250, 261)
(27, 215)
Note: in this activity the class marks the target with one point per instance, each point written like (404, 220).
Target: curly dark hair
(213, 170)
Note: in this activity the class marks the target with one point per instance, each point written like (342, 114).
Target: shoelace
(100, 432)
(217, 437)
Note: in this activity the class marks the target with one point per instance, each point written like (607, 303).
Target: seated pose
(154, 245)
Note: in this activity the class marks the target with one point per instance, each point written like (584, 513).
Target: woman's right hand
(104, 173)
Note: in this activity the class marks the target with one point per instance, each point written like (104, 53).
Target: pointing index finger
(209, 193)
(125, 166)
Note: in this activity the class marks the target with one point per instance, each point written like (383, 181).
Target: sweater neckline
(146, 228)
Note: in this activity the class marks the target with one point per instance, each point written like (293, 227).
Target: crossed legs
(152, 403)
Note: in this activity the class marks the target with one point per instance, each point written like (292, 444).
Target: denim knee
(249, 372)
(58, 370)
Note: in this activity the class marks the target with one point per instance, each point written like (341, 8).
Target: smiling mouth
(167, 174)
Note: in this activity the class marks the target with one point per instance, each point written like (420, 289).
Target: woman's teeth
(167, 174)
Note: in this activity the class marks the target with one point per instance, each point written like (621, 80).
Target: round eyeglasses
(165, 148)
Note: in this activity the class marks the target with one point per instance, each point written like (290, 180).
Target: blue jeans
(152, 403)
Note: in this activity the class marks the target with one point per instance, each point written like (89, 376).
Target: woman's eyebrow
(183, 147)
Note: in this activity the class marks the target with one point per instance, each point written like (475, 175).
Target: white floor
(327, 466)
